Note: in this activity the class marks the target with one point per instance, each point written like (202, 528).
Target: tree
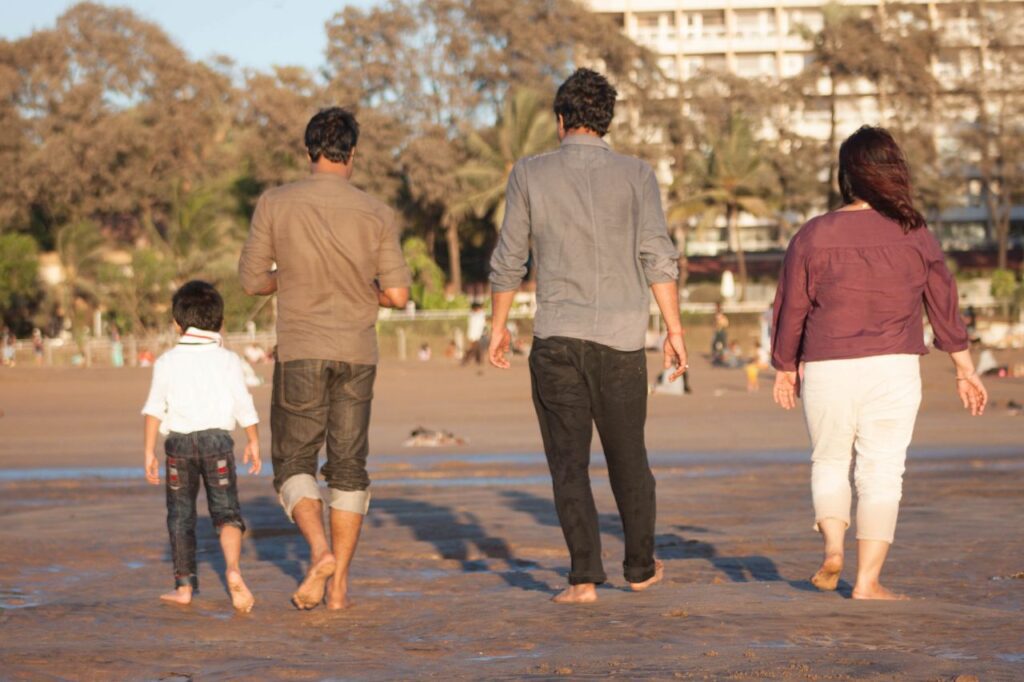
(80, 248)
(19, 265)
(525, 128)
(728, 178)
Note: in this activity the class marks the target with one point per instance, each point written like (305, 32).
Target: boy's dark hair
(197, 304)
(586, 100)
(333, 134)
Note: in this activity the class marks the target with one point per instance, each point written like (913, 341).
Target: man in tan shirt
(338, 258)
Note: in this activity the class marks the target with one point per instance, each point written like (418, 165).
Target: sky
(255, 33)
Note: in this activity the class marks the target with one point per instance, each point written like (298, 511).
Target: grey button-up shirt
(599, 241)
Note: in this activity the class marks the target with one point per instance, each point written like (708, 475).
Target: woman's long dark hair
(872, 168)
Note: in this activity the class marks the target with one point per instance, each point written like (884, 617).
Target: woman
(848, 313)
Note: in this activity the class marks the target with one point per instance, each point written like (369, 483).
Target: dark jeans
(205, 456)
(577, 384)
(318, 401)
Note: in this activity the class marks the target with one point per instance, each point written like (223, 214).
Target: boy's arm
(246, 416)
(154, 411)
(150, 428)
(252, 449)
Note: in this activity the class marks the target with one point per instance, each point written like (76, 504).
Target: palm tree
(727, 178)
(80, 248)
(524, 128)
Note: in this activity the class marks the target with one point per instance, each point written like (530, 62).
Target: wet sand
(462, 549)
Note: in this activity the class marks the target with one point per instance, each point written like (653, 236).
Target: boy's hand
(252, 457)
(152, 468)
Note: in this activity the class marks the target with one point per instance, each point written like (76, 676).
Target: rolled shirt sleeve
(392, 270)
(257, 259)
(508, 262)
(792, 303)
(658, 254)
(941, 300)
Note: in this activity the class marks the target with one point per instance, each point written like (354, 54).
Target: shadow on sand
(459, 536)
(669, 546)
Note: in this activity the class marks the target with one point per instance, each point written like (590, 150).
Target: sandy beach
(462, 549)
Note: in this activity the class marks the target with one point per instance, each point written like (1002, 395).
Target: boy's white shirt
(199, 385)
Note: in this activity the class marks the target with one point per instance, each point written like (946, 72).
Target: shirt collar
(321, 175)
(588, 140)
(200, 337)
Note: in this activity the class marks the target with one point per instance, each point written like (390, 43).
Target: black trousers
(577, 384)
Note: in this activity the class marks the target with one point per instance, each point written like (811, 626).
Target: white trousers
(866, 406)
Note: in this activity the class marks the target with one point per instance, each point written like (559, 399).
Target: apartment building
(765, 39)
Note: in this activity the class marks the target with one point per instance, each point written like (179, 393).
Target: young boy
(197, 395)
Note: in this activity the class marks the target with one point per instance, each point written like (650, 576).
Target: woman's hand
(786, 390)
(972, 393)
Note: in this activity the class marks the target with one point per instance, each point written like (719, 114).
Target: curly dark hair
(586, 100)
(333, 134)
(197, 304)
(872, 168)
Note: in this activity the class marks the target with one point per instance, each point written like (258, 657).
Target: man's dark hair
(197, 304)
(332, 134)
(586, 100)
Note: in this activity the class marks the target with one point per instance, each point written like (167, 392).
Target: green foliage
(1004, 285)
(19, 263)
(428, 290)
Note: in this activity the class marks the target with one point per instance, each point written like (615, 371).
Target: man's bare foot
(337, 596)
(577, 594)
(876, 591)
(827, 577)
(241, 597)
(181, 595)
(659, 574)
(311, 592)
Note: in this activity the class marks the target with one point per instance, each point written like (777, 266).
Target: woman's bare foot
(876, 591)
(659, 574)
(577, 594)
(337, 596)
(827, 577)
(241, 597)
(181, 595)
(311, 592)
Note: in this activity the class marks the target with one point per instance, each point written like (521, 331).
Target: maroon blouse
(852, 286)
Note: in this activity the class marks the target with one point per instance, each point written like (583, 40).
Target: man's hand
(786, 390)
(252, 457)
(152, 468)
(675, 354)
(501, 343)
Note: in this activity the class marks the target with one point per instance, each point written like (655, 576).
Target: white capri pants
(866, 406)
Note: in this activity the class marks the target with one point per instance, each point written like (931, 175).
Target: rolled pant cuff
(187, 581)
(817, 527)
(586, 579)
(355, 501)
(639, 575)
(297, 488)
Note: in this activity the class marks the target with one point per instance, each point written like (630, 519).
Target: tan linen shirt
(330, 241)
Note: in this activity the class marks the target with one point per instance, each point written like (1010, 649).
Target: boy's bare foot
(337, 596)
(311, 592)
(181, 595)
(827, 577)
(241, 597)
(577, 594)
(876, 591)
(659, 574)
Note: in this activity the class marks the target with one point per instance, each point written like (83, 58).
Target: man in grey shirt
(599, 244)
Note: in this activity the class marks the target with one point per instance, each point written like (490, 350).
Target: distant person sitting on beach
(197, 396)
(424, 353)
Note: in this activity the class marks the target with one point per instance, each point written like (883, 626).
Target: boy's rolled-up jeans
(207, 457)
(316, 402)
